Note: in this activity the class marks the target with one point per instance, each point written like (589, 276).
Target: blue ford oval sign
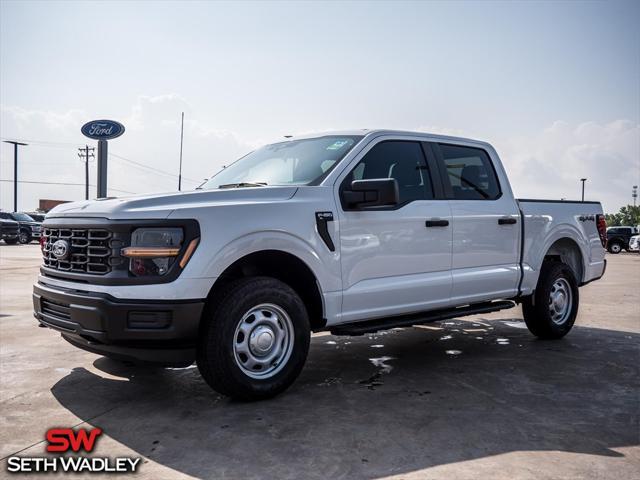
(102, 129)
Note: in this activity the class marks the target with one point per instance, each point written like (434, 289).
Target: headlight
(153, 250)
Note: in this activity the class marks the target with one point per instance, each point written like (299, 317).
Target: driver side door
(396, 259)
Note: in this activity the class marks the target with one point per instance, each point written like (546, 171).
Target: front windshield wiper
(243, 184)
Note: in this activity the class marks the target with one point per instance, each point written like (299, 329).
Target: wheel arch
(284, 266)
(567, 251)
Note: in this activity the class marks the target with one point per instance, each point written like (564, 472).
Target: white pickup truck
(350, 232)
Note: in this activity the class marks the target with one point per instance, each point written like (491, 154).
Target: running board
(360, 328)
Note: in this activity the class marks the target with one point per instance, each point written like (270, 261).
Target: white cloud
(546, 164)
(550, 164)
(152, 138)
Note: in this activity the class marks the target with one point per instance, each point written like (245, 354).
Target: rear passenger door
(392, 261)
(486, 225)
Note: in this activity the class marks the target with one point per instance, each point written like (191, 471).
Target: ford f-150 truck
(344, 232)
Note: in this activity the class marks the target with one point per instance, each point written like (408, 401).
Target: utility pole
(634, 194)
(15, 172)
(83, 153)
(583, 180)
(181, 139)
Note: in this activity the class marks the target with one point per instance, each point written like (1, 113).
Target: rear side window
(470, 173)
(403, 161)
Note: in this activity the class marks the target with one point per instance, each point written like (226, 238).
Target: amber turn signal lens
(189, 251)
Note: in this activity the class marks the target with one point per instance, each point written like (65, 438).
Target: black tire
(24, 237)
(614, 248)
(11, 241)
(217, 359)
(537, 309)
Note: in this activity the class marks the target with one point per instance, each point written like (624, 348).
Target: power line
(51, 144)
(147, 168)
(152, 169)
(44, 142)
(65, 183)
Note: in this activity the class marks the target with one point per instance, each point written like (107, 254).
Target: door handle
(506, 221)
(436, 223)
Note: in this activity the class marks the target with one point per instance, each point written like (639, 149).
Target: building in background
(45, 204)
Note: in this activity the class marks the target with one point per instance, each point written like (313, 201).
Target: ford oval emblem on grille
(60, 249)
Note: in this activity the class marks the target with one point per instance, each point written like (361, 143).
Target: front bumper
(138, 330)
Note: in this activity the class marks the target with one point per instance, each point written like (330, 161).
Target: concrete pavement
(477, 397)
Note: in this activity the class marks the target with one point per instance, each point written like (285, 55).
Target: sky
(554, 86)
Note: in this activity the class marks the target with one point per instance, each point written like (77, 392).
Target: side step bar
(360, 328)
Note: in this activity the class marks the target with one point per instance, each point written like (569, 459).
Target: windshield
(22, 217)
(295, 162)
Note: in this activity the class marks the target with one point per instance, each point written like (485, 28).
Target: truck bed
(546, 222)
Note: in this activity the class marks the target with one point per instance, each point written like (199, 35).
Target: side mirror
(372, 193)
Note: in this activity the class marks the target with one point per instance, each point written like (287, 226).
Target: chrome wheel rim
(615, 248)
(23, 237)
(560, 301)
(263, 341)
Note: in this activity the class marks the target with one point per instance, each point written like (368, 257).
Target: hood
(161, 205)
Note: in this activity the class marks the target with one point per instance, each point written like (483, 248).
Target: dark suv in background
(9, 231)
(618, 238)
(29, 229)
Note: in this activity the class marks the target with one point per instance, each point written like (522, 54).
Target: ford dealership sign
(102, 129)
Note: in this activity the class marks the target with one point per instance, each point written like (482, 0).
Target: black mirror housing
(375, 192)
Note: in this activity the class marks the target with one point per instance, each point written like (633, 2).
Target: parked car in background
(29, 228)
(634, 244)
(9, 231)
(618, 238)
(38, 217)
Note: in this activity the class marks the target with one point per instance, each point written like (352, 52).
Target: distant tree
(628, 215)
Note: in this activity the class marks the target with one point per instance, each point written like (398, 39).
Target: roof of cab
(380, 132)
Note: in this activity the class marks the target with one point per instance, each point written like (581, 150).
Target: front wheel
(254, 339)
(552, 310)
(24, 237)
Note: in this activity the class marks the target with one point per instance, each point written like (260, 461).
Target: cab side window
(470, 173)
(402, 160)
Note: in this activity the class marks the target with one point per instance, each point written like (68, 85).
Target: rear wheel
(614, 248)
(552, 310)
(254, 339)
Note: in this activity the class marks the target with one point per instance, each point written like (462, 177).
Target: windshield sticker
(337, 145)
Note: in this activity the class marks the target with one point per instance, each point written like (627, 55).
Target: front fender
(326, 268)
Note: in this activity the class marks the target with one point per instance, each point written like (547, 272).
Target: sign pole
(102, 169)
(102, 130)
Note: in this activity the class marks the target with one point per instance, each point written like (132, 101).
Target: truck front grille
(89, 250)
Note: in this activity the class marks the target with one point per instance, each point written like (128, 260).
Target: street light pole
(583, 180)
(15, 172)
